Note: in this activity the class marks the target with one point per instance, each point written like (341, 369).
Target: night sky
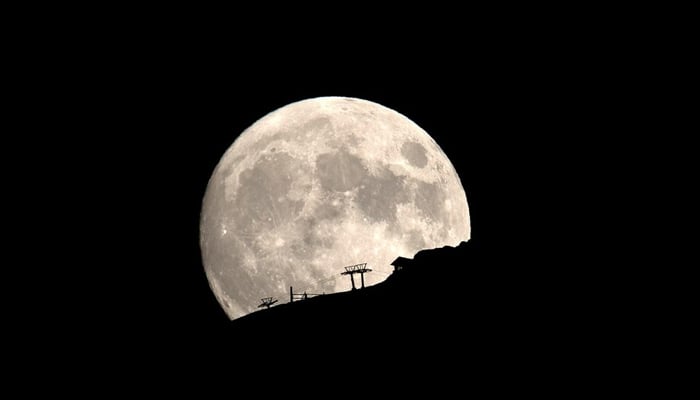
(509, 120)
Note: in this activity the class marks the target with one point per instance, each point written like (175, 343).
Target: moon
(318, 185)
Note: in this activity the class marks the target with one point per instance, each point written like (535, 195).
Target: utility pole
(356, 269)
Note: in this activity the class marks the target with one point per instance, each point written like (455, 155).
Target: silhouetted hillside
(447, 300)
(435, 283)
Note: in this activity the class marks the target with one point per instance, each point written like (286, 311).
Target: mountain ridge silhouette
(447, 292)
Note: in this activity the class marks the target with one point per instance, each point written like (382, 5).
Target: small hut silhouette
(401, 262)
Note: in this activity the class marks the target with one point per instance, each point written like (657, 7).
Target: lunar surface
(322, 184)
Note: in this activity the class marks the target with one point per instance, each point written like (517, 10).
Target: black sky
(133, 114)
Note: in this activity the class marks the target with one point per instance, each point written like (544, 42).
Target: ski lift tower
(356, 269)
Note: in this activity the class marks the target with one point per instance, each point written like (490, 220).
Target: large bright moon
(322, 184)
